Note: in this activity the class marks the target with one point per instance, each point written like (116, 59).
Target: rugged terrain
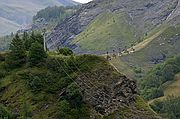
(41, 92)
(125, 23)
(14, 14)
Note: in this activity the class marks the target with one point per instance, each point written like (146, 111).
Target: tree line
(55, 13)
(151, 84)
(28, 48)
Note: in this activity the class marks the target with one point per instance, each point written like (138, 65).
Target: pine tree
(25, 36)
(17, 55)
(29, 40)
(36, 54)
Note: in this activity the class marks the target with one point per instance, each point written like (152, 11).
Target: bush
(168, 108)
(3, 73)
(152, 82)
(3, 56)
(35, 78)
(66, 111)
(74, 95)
(65, 51)
(5, 114)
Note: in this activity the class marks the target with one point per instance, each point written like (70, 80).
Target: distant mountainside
(104, 25)
(14, 13)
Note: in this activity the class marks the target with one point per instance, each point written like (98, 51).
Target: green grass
(109, 30)
(123, 67)
(41, 99)
(167, 43)
(172, 87)
(36, 91)
(140, 105)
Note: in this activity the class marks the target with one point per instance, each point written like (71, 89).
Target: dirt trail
(145, 42)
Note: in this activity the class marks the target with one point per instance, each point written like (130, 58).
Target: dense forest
(168, 108)
(151, 84)
(55, 14)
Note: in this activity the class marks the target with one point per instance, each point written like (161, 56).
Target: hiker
(120, 53)
(107, 56)
(114, 54)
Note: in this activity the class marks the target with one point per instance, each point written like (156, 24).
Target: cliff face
(141, 15)
(67, 30)
(109, 95)
(112, 95)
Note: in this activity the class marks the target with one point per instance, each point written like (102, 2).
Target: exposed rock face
(106, 94)
(174, 17)
(143, 15)
(67, 30)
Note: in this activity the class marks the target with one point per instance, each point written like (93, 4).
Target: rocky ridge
(143, 15)
(113, 93)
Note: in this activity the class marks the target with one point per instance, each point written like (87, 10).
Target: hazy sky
(83, 1)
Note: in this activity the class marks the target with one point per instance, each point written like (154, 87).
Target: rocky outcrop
(71, 27)
(107, 93)
(111, 94)
(143, 15)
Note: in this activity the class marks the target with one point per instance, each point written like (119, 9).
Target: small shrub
(3, 73)
(65, 51)
(74, 95)
(5, 114)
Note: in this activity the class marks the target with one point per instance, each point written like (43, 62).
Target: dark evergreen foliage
(36, 54)
(65, 51)
(55, 13)
(30, 39)
(17, 55)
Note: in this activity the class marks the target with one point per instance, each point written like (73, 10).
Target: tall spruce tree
(25, 36)
(17, 55)
(36, 54)
(29, 40)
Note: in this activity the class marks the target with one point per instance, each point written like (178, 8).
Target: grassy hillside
(52, 89)
(141, 105)
(153, 50)
(173, 87)
(7, 26)
(39, 93)
(108, 31)
(159, 45)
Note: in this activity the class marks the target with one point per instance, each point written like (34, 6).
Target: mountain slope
(7, 26)
(22, 11)
(127, 23)
(54, 90)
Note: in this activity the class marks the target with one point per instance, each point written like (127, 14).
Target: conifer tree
(17, 55)
(36, 54)
(29, 40)
(25, 36)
